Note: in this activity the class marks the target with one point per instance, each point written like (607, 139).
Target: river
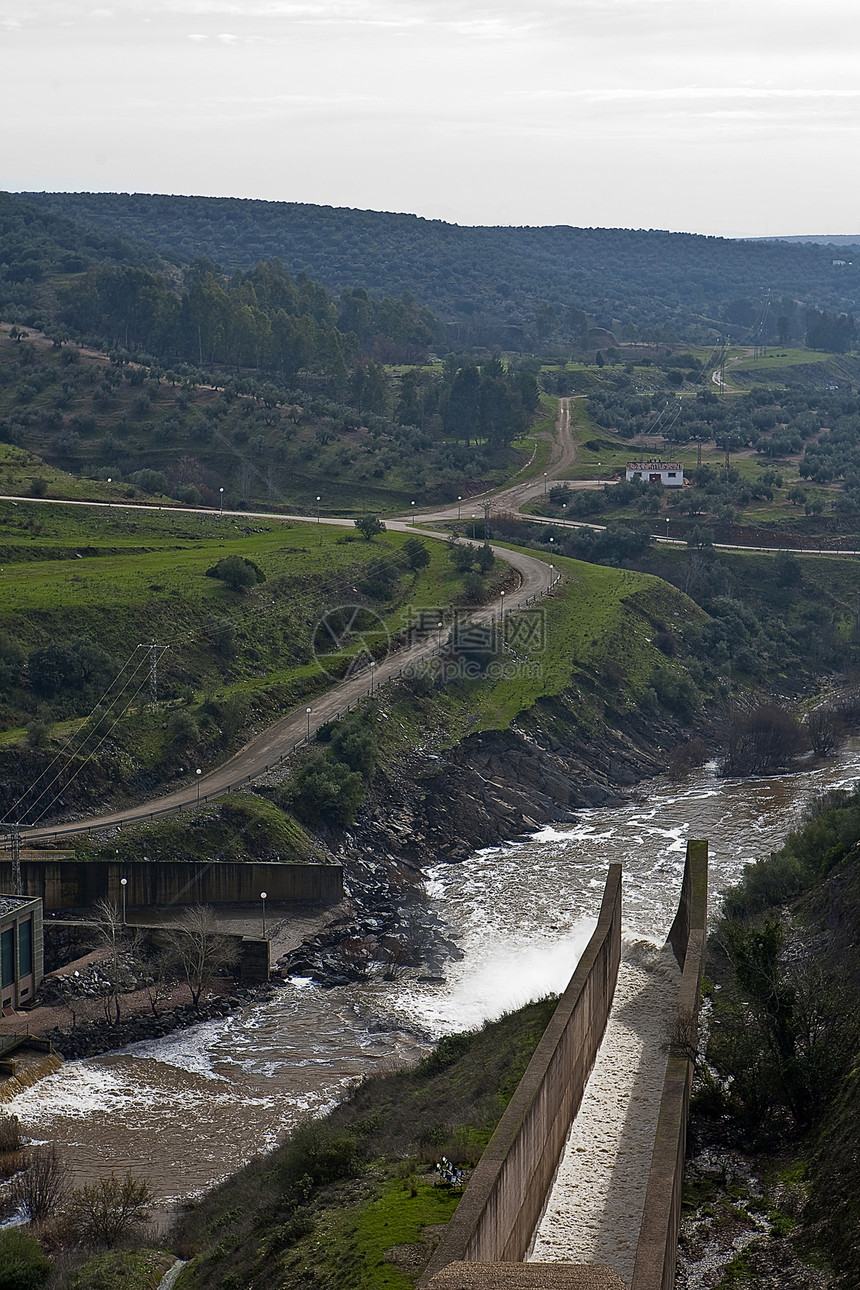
(187, 1110)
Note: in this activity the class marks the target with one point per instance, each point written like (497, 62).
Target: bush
(41, 1188)
(369, 526)
(354, 743)
(109, 1212)
(417, 555)
(324, 790)
(762, 738)
(10, 1133)
(238, 573)
(24, 1265)
(318, 1153)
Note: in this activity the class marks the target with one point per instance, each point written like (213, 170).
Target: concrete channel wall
(656, 1252)
(496, 1218)
(76, 884)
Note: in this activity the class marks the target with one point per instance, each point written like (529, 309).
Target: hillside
(69, 415)
(508, 286)
(781, 1085)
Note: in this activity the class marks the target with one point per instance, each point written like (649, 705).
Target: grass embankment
(587, 649)
(122, 578)
(354, 1200)
(243, 826)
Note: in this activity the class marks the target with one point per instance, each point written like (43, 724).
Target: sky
(707, 116)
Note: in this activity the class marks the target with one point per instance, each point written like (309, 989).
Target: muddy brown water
(187, 1110)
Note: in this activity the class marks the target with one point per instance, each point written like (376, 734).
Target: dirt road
(271, 745)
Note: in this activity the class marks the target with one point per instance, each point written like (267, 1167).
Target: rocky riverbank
(440, 804)
(101, 1036)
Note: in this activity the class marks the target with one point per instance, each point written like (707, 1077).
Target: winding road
(262, 753)
(265, 750)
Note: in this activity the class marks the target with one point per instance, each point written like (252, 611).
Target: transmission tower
(153, 669)
(14, 831)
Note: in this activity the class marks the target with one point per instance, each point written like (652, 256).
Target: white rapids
(187, 1110)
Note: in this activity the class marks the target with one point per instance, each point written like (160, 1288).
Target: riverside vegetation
(778, 1081)
(132, 369)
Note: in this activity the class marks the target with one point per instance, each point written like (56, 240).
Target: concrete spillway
(594, 1209)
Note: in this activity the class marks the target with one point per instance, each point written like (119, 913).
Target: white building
(670, 473)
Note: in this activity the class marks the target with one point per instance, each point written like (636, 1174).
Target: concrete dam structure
(580, 1186)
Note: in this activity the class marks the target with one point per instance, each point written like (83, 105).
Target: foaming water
(186, 1110)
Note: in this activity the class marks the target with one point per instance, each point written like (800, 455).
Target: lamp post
(503, 616)
(563, 510)
(372, 666)
(544, 483)
(198, 772)
(308, 715)
(667, 528)
(263, 899)
(459, 503)
(439, 643)
(412, 504)
(123, 882)
(221, 507)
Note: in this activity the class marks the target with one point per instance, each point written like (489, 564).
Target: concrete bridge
(580, 1186)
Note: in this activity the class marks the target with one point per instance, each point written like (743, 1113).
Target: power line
(67, 754)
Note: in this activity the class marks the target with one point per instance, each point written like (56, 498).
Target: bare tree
(823, 728)
(760, 738)
(199, 950)
(109, 1212)
(116, 972)
(42, 1186)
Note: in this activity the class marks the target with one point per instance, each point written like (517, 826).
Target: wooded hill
(508, 286)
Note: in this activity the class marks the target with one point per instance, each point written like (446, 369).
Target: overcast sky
(735, 118)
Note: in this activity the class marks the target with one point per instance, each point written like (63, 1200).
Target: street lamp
(412, 504)
(221, 507)
(372, 666)
(263, 899)
(308, 715)
(544, 483)
(123, 882)
(318, 508)
(503, 615)
(439, 645)
(198, 772)
(459, 502)
(667, 528)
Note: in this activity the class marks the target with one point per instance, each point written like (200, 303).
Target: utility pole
(14, 831)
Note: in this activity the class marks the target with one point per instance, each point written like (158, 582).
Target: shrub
(318, 1153)
(369, 526)
(38, 733)
(24, 1265)
(761, 738)
(323, 790)
(108, 1212)
(416, 553)
(10, 1133)
(237, 572)
(41, 1188)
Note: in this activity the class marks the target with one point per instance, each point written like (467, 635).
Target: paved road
(271, 745)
